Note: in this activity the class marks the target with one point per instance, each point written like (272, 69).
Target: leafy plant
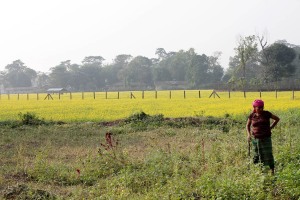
(30, 119)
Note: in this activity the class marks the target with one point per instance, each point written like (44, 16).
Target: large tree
(114, 71)
(92, 73)
(138, 71)
(215, 70)
(197, 70)
(60, 75)
(42, 80)
(17, 74)
(277, 60)
(246, 51)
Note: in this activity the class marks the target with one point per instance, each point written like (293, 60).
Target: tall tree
(197, 70)
(92, 73)
(161, 53)
(246, 51)
(178, 63)
(95, 60)
(277, 59)
(60, 74)
(215, 70)
(139, 71)
(114, 72)
(42, 80)
(18, 75)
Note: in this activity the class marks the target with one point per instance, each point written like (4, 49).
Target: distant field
(101, 106)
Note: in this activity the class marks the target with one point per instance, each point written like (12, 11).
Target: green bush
(30, 119)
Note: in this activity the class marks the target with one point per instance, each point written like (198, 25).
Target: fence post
(155, 94)
(293, 94)
(105, 94)
(170, 94)
(199, 94)
(118, 94)
(70, 95)
(229, 93)
(244, 94)
(143, 94)
(59, 95)
(184, 94)
(94, 95)
(27, 96)
(82, 95)
(259, 93)
(8, 96)
(18, 96)
(37, 96)
(276, 94)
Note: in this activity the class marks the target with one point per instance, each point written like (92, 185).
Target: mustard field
(102, 106)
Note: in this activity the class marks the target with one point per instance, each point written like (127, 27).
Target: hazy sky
(42, 33)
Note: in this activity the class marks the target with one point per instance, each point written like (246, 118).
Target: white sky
(43, 33)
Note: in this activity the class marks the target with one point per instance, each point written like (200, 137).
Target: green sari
(263, 152)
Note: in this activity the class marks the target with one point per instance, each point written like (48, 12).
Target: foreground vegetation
(146, 157)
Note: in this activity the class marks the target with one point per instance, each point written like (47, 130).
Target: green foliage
(110, 160)
(279, 61)
(24, 192)
(196, 161)
(18, 75)
(30, 119)
(141, 121)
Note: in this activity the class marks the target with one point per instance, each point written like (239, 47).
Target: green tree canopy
(18, 75)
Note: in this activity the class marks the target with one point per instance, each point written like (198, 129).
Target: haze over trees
(255, 65)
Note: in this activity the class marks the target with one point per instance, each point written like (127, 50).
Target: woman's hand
(249, 138)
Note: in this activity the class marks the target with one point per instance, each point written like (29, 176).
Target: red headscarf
(257, 103)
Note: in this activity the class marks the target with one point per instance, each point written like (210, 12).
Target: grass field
(148, 156)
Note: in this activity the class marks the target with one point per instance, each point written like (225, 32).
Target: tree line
(254, 64)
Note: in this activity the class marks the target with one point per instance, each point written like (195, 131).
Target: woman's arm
(248, 128)
(275, 121)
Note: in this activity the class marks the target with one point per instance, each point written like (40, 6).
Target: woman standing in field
(259, 132)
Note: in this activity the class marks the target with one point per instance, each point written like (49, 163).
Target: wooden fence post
(59, 95)
(131, 95)
(70, 95)
(94, 95)
(105, 94)
(82, 95)
(293, 94)
(276, 94)
(155, 94)
(18, 96)
(184, 94)
(27, 96)
(260, 94)
(199, 94)
(170, 94)
(229, 94)
(143, 94)
(244, 94)
(37, 96)
(118, 95)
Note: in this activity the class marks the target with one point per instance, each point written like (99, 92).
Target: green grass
(151, 158)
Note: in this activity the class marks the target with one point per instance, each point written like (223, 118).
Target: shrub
(30, 119)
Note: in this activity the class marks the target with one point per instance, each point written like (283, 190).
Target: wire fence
(162, 94)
